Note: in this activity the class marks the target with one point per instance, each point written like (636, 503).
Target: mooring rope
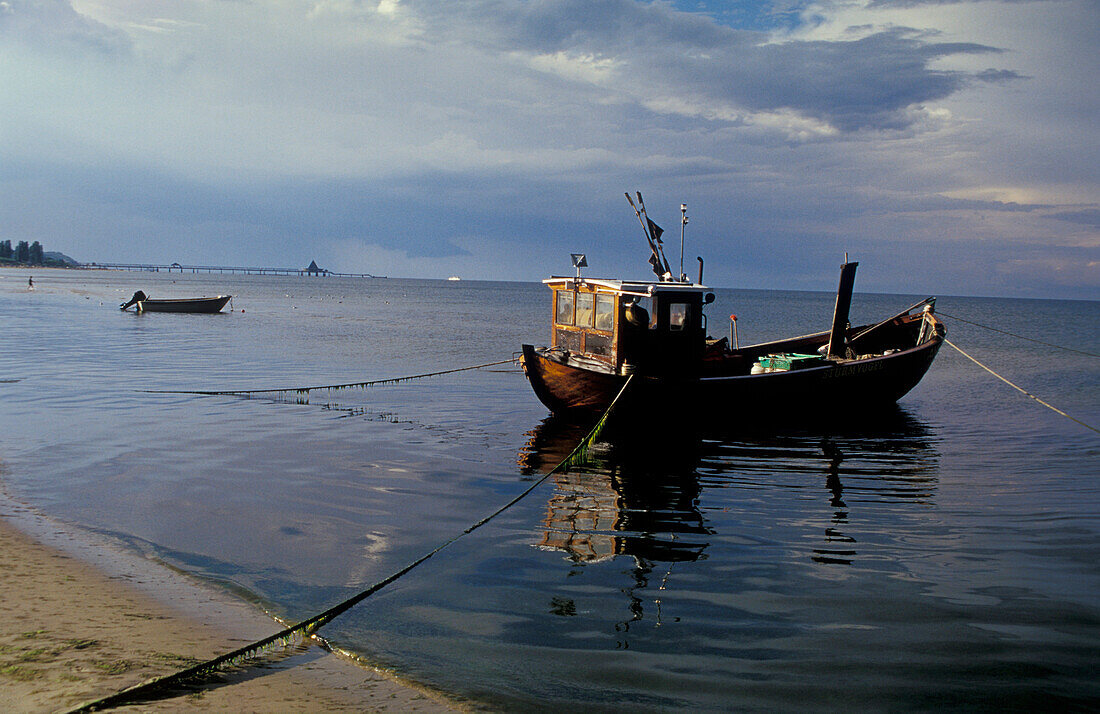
(1020, 389)
(304, 390)
(1020, 337)
(306, 628)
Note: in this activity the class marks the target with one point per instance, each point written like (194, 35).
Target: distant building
(314, 270)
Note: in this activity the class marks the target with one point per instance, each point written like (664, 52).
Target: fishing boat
(141, 303)
(605, 330)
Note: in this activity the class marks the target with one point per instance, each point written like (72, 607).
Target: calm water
(946, 555)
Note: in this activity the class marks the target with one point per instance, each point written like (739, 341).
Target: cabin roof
(626, 287)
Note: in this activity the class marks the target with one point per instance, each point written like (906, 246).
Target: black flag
(654, 229)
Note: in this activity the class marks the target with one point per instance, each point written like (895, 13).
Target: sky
(952, 147)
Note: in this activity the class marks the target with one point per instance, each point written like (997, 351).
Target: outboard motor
(138, 297)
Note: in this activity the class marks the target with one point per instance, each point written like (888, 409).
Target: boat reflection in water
(623, 502)
(878, 471)
(645, 497)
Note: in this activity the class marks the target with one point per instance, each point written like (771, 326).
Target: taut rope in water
(1018, 388)
(306, 628)
(349, 385)
(1013, 334)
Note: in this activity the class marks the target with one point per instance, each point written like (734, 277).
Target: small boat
(454, 278)
(606, 330)
(141, 303)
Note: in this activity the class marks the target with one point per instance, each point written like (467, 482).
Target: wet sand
(71, 632)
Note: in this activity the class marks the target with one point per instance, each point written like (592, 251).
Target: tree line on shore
(25, 253)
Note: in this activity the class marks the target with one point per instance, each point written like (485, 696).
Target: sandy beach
(71, 632)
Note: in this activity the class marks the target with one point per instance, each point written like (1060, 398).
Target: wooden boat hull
(193, 305)
(833, 386)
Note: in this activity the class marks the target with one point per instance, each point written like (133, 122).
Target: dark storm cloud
(863, 83)
(1088, 217)
(859, 84)
(394, 214)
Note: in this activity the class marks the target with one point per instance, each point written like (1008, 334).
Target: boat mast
(840, 313)
(653, 236)
(683, 222)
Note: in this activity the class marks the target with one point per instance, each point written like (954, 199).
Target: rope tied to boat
(1019, 388)
(941, 313)
(308, 627)
(347, 385)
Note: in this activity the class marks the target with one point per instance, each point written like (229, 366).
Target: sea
(944, 555)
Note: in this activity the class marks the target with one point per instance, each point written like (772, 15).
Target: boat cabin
(622, 326)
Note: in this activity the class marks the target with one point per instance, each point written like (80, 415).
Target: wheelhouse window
(563, 310)
(585, 309)
(605, 313)
(677, 316)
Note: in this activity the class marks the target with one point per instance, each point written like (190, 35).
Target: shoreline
(81, 619)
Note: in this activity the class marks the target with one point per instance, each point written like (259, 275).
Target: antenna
(683, 222)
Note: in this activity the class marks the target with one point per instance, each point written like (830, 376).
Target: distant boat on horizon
(454, 277)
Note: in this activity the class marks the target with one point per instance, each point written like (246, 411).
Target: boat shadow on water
(646, 496)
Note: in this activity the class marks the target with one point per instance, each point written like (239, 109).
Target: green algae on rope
(307, 628)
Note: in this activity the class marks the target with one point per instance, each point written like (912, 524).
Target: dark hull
(196, 305)
(844, 386)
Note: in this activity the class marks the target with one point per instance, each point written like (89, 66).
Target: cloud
(1087, 217)
(919, 3)
(677, 62)
(54, 26)
(431, 134)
